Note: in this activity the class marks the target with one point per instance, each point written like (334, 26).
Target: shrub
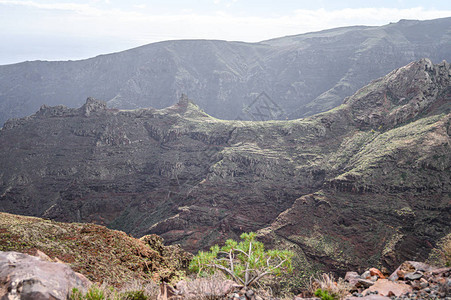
(324, 295)
(94, 293)
(246, 262)
(134, 295)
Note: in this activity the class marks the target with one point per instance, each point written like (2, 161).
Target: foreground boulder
(26, 277)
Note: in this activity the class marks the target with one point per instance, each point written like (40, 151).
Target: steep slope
(302, 74)
(341, 187)
(101, 254)
(387, 197)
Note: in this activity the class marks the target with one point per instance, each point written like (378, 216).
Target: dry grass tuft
(205, 288)
(104, 291)
(326, 282)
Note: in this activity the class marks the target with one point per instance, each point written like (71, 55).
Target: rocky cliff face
(302, 75)
(366, 182)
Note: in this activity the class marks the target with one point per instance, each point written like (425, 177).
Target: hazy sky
(65, 29)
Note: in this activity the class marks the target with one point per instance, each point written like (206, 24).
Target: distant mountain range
(366, 183)
(295, 76)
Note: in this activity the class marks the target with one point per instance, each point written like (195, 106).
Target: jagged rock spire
(93, 105)
(183, 101)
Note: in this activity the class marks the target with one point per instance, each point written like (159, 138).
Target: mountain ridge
(303, 74)
(373, 173)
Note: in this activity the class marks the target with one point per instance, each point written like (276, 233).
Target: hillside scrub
(101, 254)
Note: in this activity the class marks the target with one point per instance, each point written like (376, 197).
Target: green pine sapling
(245, 262)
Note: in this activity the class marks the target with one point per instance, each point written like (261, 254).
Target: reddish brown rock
(364, 283)
(42, 255)
(352, 277)
(376, 272)
(385, 287)
(399, 275)
(409, 267)
(440, 271)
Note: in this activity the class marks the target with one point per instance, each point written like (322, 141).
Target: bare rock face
(366, 183)
(92, 105)
(27, 277)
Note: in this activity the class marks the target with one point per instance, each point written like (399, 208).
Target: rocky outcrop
(26, 277)
(411, 280)
(367, 183)
(293, 76)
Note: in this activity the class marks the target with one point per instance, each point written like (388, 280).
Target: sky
(71, 30)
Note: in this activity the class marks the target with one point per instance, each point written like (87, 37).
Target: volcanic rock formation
(365, 183)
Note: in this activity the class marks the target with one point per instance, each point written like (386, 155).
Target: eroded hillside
(344, 188)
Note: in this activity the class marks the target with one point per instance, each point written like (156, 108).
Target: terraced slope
(345, 188)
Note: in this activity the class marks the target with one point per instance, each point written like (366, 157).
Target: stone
(42, 255)
(399, 275)
(352, 278)
(413, 276)
(409, 267)
(364, 283)
(385, 286)
(366, 275)
(249, 294)
(27, 277)
(440, 271)
(415, 285)
(376, 272)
